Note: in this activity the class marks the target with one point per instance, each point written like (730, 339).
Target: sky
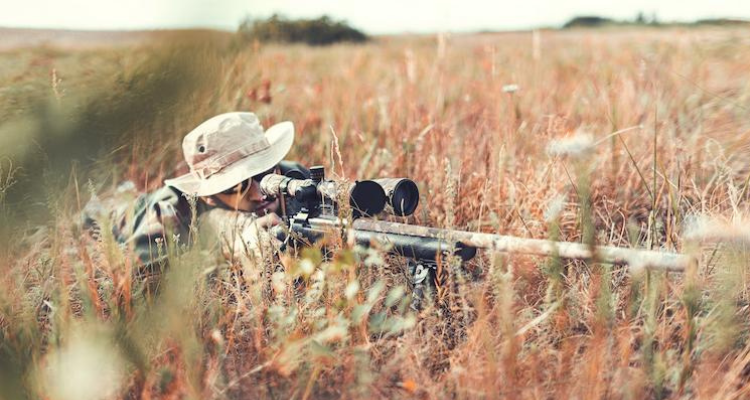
(372, 16)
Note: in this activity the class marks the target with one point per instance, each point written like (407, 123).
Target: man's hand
(268, 221)
(259, 243)
(244, 236)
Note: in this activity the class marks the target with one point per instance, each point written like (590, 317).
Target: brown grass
(431, 108)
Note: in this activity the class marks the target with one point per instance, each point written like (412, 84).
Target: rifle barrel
(511, 244)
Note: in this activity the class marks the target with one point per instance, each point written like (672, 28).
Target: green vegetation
(316, 32)
(71, 109)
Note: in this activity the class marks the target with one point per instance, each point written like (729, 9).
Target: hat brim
(280, 138)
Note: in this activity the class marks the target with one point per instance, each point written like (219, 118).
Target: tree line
(641, 19)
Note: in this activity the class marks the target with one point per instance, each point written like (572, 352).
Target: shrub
(316, 32)
(588, 21)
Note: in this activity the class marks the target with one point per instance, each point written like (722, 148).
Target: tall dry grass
(509, 133)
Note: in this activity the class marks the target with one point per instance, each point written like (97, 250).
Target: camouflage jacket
(141, 224)
(145, 224)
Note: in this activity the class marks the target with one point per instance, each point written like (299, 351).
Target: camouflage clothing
(144, 224)
(140, 224)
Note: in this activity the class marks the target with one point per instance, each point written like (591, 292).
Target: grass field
(633, 138)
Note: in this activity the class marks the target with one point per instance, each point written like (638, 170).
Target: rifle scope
(402, 193)
(366, 198)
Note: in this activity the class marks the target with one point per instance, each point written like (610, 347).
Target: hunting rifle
(311, 210)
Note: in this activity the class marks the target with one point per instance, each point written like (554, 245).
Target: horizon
(388, 17)
(477, 30)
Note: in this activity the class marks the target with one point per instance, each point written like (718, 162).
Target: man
(227, 155)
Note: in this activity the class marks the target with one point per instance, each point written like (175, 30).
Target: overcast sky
(373, 16)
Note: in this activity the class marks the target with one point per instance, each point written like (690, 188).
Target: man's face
(251, 200)
(246, 197)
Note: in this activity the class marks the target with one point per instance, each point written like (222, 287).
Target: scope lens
(405, 197)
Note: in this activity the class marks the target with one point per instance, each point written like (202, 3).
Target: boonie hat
(228, 149)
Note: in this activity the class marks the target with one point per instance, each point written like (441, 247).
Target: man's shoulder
(165, 194)
(130, 212)
(169, 203)
(138, 220)
(158, 215)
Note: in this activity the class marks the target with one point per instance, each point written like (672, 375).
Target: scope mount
(313, 204)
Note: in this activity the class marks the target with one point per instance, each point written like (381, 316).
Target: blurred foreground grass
(507, 133)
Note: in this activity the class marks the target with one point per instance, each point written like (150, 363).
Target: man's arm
(243, 236)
